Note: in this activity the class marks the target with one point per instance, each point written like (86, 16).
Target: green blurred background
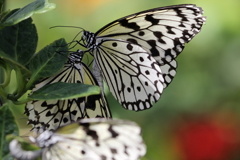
(198, 116)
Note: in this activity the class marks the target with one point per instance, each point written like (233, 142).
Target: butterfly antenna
(66, 26)
(76, 41)
(77, 36)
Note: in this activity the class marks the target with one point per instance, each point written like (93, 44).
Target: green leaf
(7, 126)
(49, 60)
(61, 91)
(18, 43)
(3, 15)
(1, 5)
(8, 157)
(38, 6)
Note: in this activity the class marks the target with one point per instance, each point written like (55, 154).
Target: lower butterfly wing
(97, 139)
(87, 139)
(96, 105)
(52, 114)
(70, 149)
(162, 32)
(132, 75)
(169, 71)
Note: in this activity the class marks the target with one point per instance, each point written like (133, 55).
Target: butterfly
(136, 54)
(51, 114)
(87, 139)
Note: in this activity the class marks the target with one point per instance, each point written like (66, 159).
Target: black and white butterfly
(51, 114)
(88, 139)
(136, 54)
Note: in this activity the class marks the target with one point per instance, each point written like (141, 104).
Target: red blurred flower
(207, 140)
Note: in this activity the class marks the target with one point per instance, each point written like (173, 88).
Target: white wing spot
(181, 41)
(178, 48)
(168, 58)
(173, 72)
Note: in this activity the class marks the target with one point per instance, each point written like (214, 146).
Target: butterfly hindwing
(132, 75)
(87, 139)
(97, 139)
(52, 114)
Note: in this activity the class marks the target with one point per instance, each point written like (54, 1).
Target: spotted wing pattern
(52, 114)
(162, 32)
(133, 77)
(90, 139)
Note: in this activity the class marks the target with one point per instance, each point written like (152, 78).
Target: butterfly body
(128, 49)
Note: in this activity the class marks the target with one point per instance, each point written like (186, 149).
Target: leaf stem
(30, 83)
(7, 73)
(21, 83)
(3, 93)
(24, 101)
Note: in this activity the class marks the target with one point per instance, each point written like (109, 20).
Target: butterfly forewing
(52, 114)
(133, 77)
(182, 18)
(162, 32)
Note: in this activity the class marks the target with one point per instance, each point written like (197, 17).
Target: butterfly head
(88, 39)
(76, 56)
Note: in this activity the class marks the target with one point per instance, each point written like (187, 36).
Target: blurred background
(198, 116)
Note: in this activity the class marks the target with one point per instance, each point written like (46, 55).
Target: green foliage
(48, 61)
(7, 126)
(64, 91)
(18, 43)
(38, 6)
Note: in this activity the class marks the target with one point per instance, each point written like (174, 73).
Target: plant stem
(3, 93)
(24, 101)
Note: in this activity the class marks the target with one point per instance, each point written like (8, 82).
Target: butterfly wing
(96, 139)
(162, 32)
(52, 114)
(132, 75)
